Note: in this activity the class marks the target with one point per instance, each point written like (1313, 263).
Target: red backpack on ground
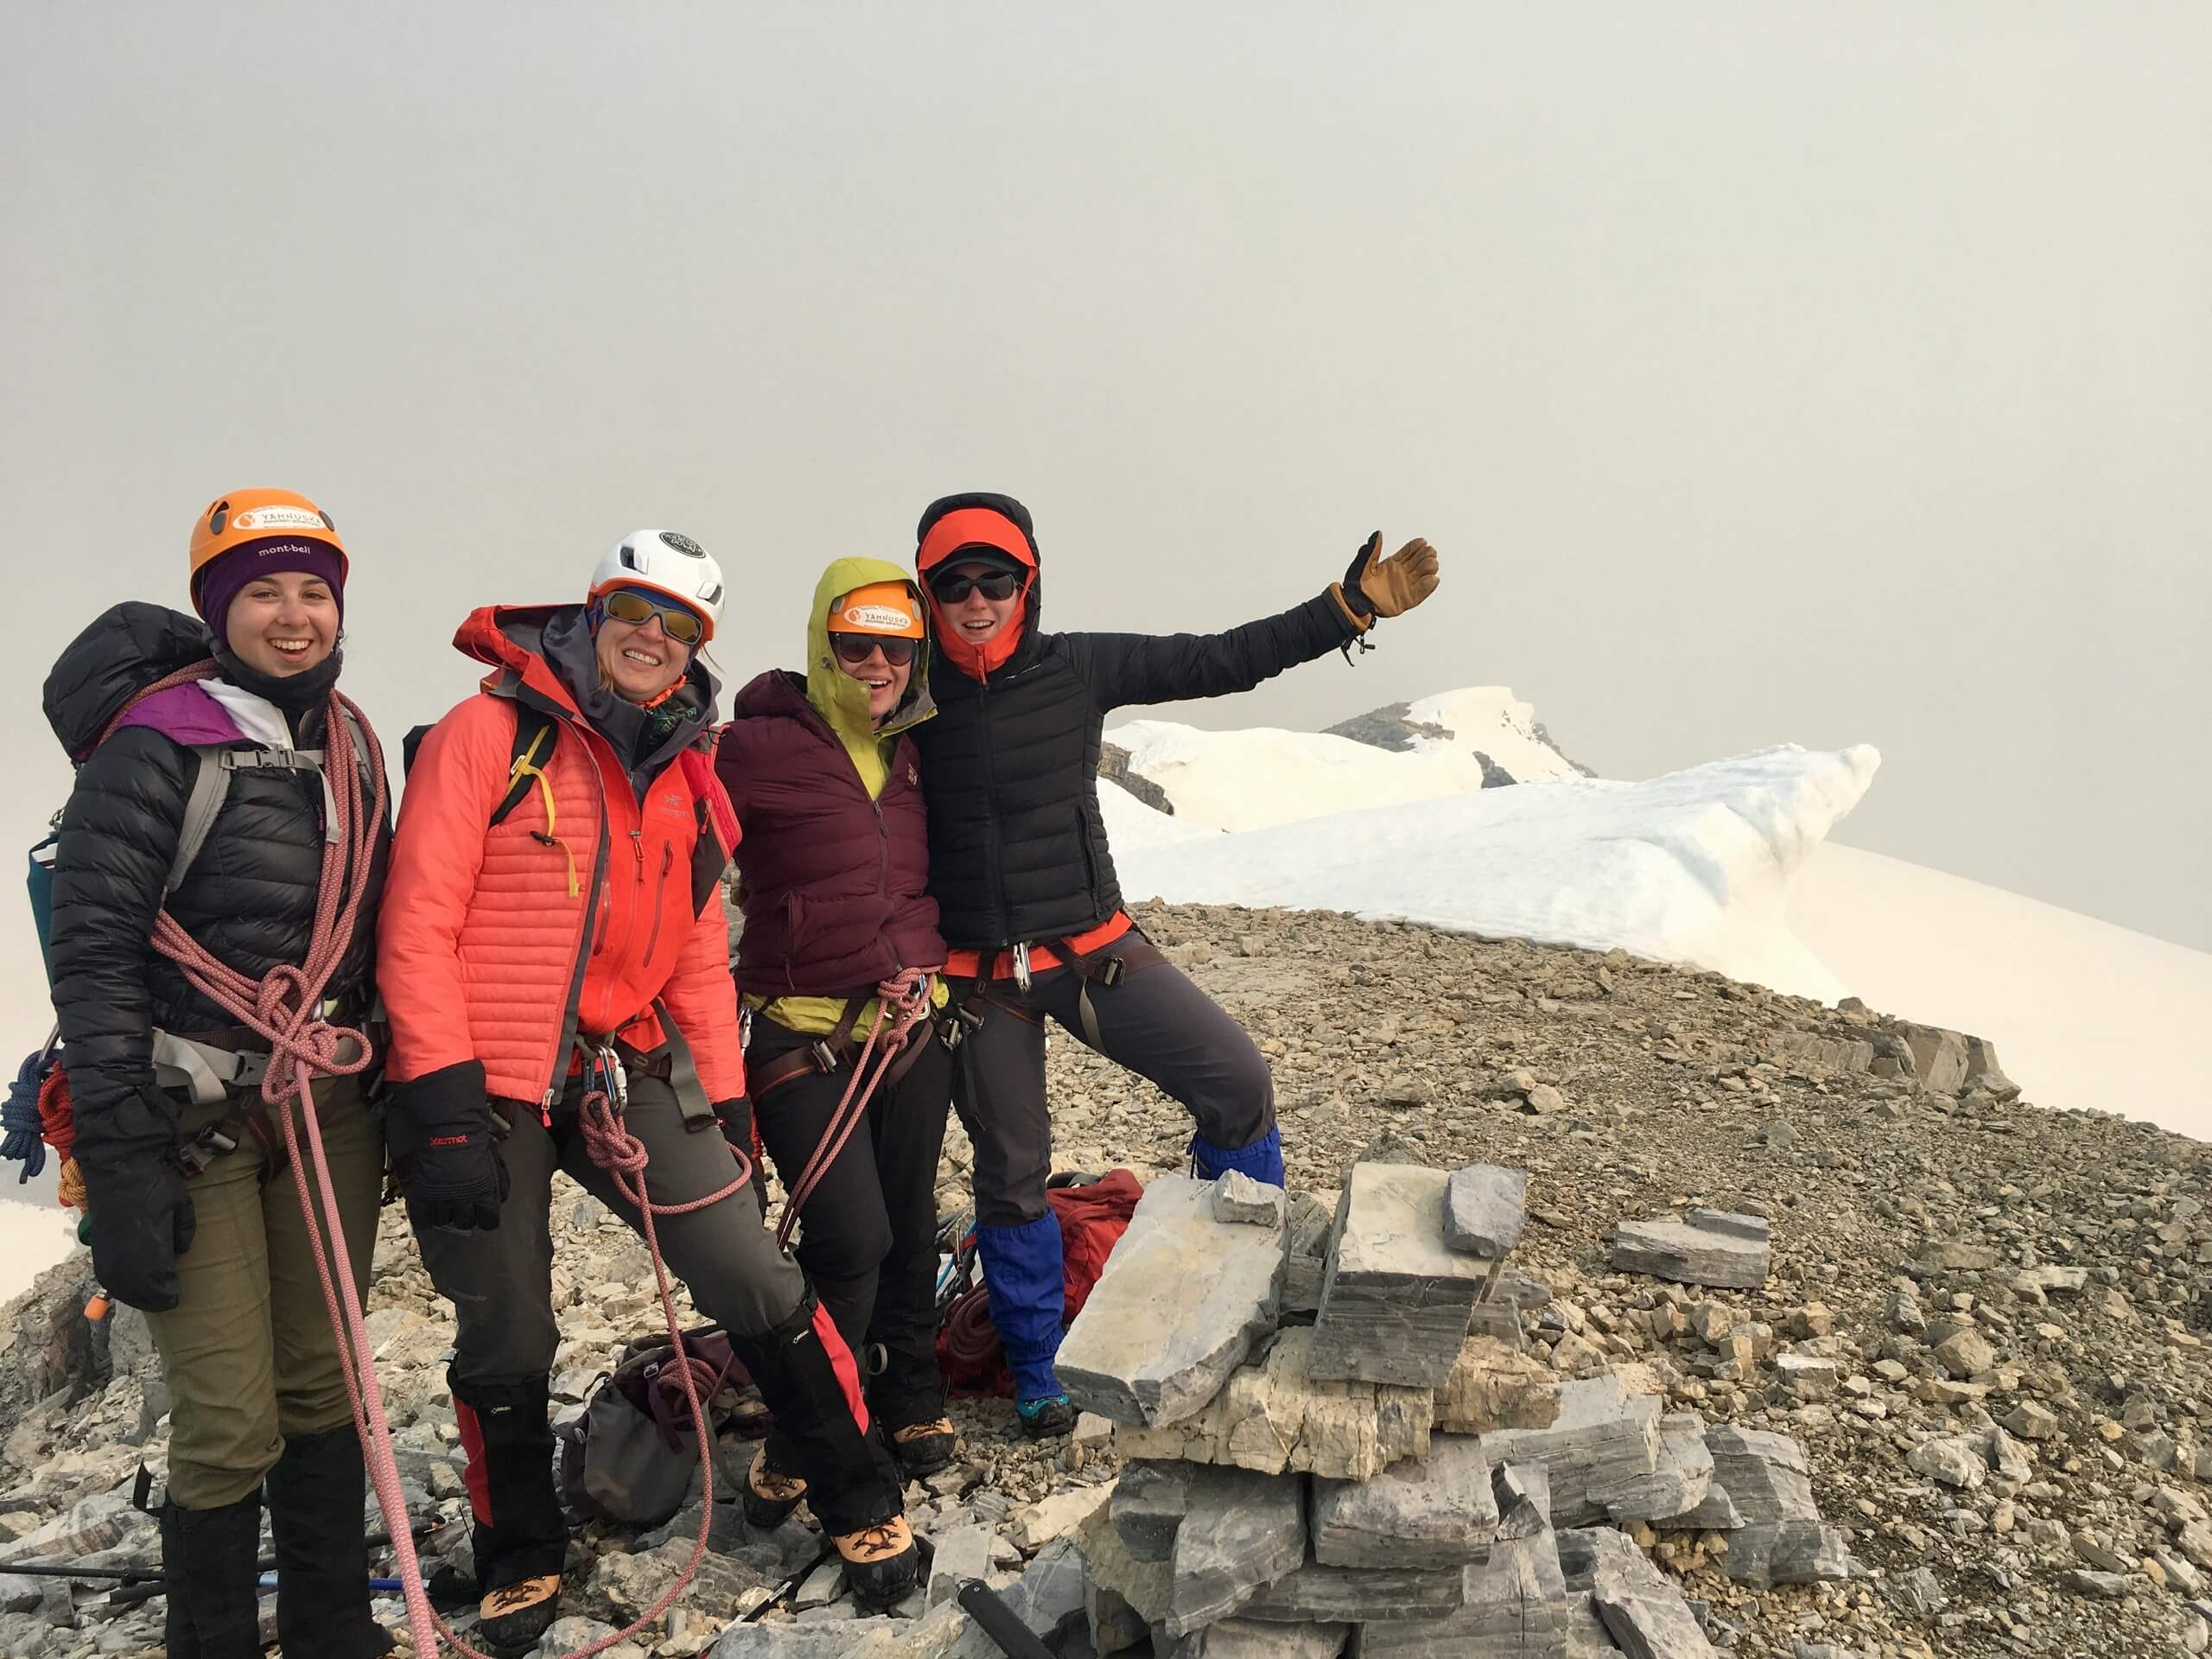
(1092, 1218)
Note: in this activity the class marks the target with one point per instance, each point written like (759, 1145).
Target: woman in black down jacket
(193, 1217)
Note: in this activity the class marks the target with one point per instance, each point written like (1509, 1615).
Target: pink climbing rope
(904, 1000)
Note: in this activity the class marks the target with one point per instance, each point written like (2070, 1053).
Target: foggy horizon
(1762, 374)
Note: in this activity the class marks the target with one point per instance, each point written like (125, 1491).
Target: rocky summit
(1793, 1331)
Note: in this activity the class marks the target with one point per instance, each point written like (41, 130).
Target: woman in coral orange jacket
(552, 909)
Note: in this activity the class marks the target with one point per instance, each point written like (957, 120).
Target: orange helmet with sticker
(889, 608)
(245, 516)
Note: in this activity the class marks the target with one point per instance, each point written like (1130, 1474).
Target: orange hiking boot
(770, 1495)
(882, 1563)
(513, 1617)
(923, 1448)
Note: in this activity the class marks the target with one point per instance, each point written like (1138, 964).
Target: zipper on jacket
(660, 890)
(882, 851)
(992, 870)
(555, 1077)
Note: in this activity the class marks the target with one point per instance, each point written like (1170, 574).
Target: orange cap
(886, 607)
(249, 514)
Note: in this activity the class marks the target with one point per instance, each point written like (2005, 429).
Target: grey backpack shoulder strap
(210, 785)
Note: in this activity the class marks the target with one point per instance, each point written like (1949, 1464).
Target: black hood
(119, 655)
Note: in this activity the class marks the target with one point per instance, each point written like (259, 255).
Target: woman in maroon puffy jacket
(835, 864)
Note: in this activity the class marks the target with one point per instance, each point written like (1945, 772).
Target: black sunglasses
(857, 648)
(952, 586)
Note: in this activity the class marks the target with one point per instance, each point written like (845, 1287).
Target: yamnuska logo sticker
(279, 519)
(684, 544)
(876, 619)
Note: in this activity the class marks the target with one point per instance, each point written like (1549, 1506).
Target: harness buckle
(1021, 968)
(1110, 971)
(215, 1141)
(825, 1057)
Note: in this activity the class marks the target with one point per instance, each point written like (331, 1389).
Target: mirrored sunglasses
(857, 648)
(627, 605)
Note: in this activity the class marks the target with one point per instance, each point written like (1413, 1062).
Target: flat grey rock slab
(1238, 1198)
(1182, 1300)
(1783, 1539)
(1313, 1219)
(1242, 1638)
(1434, 1512)
(788, 1641)
(1679, 1485)
(1756, 1228)
(1522, 1493)
(1396, 1300)
(1516, 1603)
(1485, 1207)
(1643, 1611)
(961, 1553)
(1602, 1449)
(1274, 1418)
(1706, 1247)
(1586, 1635)
(1315, 1593)
(1243, 1530)
(1124, 1592)
(1147, 1507)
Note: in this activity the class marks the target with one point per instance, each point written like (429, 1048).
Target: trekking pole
(143, 1584)
(988, 1609)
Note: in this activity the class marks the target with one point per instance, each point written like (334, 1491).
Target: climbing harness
(902, 1002)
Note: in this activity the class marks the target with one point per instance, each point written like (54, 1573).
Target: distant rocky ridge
(1392, 727)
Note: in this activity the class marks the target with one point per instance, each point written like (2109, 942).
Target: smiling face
(978, 619)
(638, 660)
(886, 681)
(283, 623)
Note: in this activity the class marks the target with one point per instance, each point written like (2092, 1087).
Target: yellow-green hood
(842, 700)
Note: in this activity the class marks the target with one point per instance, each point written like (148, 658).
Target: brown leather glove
(1377, 586)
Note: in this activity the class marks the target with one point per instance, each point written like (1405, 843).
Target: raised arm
(1138, 668)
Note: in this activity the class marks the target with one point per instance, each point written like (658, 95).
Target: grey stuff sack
(630, 1455)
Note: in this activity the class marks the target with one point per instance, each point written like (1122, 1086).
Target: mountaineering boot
(1025, 1277)
(209, 1573)
(881, 1564)
(1045, 1416)
(770, 1495)
(923, 1448)
(316, 1495)
(1262, 1160)
(806, 1374)
(520, 1537)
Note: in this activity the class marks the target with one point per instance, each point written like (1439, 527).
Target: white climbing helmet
(665, 563)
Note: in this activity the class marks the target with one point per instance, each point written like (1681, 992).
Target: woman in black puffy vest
(1026, 888)
(191, 1213)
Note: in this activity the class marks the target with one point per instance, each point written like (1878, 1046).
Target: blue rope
(20, 1119)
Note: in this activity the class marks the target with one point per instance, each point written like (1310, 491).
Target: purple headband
(225, 579)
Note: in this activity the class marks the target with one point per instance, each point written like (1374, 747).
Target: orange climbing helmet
(245, 516)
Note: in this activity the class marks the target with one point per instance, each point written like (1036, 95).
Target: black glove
(137, 1200)
(439, 1127)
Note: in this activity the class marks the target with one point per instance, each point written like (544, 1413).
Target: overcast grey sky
(1822, 373)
